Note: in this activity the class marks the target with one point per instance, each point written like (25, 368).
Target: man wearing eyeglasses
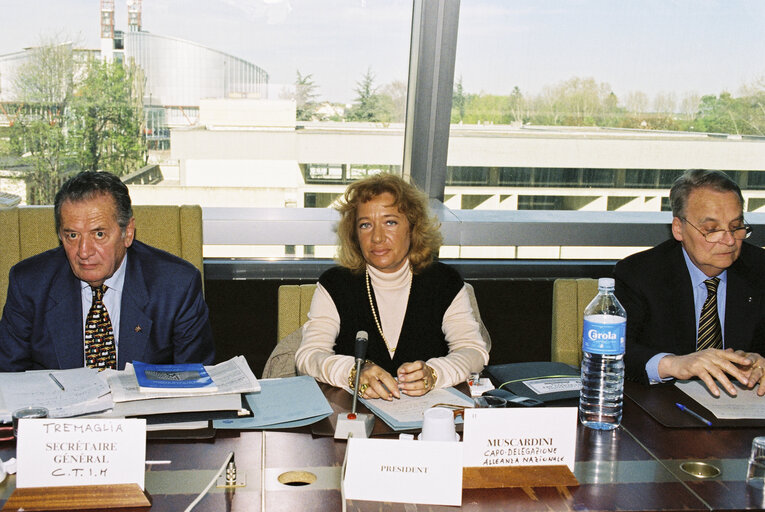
(696, 303)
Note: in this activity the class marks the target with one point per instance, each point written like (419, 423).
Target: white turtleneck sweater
(316, 355)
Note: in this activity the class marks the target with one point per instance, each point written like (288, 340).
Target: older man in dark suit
(696, 304)
(102, 299)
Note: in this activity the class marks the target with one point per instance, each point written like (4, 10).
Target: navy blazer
(163, 317)
(654, 286)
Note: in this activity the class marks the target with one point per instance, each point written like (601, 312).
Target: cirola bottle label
(603, 338)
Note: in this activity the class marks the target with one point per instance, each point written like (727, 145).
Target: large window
(556, 106)
(600, 94)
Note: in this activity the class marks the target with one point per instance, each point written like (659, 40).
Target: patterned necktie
(710, 333)
(100, 352)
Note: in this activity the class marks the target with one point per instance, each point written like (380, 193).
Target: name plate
(520, 437)
(426, 472)
(64, 452)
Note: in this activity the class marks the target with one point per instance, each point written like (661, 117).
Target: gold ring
(363, 389)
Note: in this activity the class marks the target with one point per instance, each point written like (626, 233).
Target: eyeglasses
(717, 235)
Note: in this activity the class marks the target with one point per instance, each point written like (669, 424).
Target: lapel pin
(749, 299)
(137, 328)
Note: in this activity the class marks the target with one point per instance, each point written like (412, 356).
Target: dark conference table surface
(636, 467)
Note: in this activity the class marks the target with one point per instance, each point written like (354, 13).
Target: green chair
(570, 297)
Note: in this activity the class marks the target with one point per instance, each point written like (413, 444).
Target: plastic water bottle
(605, 324)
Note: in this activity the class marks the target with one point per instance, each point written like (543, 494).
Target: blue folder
(282, 403)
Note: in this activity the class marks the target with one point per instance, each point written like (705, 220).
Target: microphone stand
(352, 424)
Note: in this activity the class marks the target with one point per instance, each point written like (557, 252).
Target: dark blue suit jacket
(163, 317)
(654, 286)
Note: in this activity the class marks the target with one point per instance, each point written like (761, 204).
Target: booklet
(190, 377)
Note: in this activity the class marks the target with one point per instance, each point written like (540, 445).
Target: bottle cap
(606, 282)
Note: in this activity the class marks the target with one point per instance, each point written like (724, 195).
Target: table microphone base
(354, 425)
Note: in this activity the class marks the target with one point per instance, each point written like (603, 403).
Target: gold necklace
(372, 306)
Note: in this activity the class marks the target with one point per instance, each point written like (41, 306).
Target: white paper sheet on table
(406, 413)
(746, 405)
(85, 391)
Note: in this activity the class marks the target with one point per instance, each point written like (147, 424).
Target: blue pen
(695, 415)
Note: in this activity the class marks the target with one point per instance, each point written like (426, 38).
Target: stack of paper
(232, 378)
(112, 393)
(84, 391)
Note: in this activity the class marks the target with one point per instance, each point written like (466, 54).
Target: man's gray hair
(692, 179)
(88, 184)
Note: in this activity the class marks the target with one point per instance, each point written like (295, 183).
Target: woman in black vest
(417, 312)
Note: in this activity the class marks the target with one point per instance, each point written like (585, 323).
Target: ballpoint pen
(695, 415)
(54, 379)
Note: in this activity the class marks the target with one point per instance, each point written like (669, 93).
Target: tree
(637, 102)
(518, 111)
(45, 84)
(689, 104)
(79, 113)
(369, 106)
(393, 100)
(107, 118)
(664, 103)
(458, 102)
(305, 96)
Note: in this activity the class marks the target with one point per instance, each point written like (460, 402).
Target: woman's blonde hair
(425, 236)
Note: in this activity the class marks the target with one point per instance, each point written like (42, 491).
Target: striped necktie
(100, 352)
(710, 333)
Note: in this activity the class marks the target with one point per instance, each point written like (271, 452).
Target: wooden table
(635, 467)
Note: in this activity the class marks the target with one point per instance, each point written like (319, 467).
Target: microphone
(360, 352)
(352, 424)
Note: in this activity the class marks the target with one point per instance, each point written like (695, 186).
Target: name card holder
(494, 477)
(79, 497)
(526, 447)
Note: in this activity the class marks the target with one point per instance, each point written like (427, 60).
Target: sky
(652, 46)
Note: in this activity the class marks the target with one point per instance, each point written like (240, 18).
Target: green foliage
(305, 96)
(107, 119)
(45, 83)
(370, 107)
(726, 114)
(584, 102)
(46, 146)
(458, 102)
(78, 114)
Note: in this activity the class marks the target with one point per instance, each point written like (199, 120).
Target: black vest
(433, 291)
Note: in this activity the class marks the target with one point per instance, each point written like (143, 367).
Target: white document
(554, 385)
(520, 437)
(406, 413)
(85, 391)
(232, 376)
(58, 452)
(745, 405)
(426, 472)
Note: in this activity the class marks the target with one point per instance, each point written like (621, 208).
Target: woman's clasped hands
(413, 379)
